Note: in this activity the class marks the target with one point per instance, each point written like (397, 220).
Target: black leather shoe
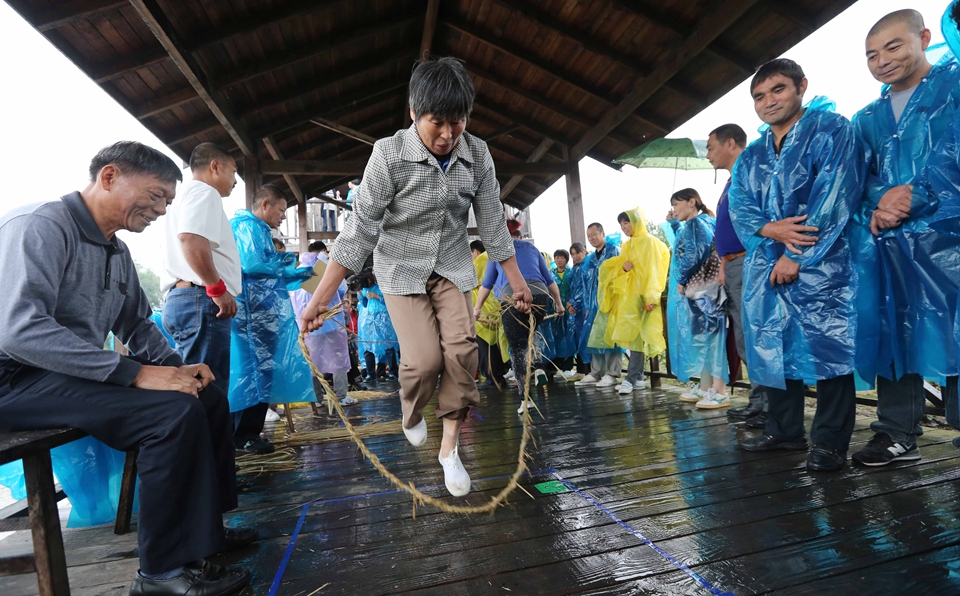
(825, 459)
(758, 421)
(197, 579)
(768, 443)
(234, 538)
(744, 413)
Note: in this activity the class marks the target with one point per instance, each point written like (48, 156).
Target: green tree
(150, 282)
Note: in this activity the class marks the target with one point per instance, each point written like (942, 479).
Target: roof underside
(553, 77)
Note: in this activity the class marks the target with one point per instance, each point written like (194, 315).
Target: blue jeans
(900, 408)
(190, 317)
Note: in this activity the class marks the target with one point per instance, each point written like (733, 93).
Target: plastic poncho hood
(804, 330)
(626, 294)
(266, 364)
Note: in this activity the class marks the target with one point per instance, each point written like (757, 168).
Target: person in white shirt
(201, 264)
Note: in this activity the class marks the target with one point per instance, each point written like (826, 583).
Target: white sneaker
(626, 388)
(522, 408)
(569, 374)
(640, 385)
(272, 416)
(348, 401)
(510, 376)
(541, 377)
(694, 395)
(587, 380)
(416, 435)
(454, 474)
(560, 376)
(607, 381)
(713, 400)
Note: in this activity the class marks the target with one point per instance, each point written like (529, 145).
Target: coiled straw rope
(409, 487)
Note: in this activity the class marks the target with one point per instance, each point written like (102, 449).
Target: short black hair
(478, 246)
(278, 243)
(781, 66)
(578, 247)
(561, 253)
(135, 158)
(204, 153)
(355, 181)
(596, 225)
(441, 88)
(269, 192)
(317, 246)
(623, 217)
(725, 132)
(912, 18)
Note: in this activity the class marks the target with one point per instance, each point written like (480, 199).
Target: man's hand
(649, 307)
(627, 265)
(789, 231)
(169, 378)
(374, 295)
(883, 220)
(312, 317)
(476, 314)
(571, 309)
(785, 271)
(227, 304)
(680, 288)
(522, 297)
(199, 371)
(897, 201)
(722, 277)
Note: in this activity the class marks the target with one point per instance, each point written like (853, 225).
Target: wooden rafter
(332, 167)
(537, 154)
(168, 37)
(708, 28)
(271, 15)
(274, 152)
(58, 15)
(429, 28)
(344, 130)
(371, 127)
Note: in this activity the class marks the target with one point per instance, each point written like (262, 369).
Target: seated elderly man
(70, 281)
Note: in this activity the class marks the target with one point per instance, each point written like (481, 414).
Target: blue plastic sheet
(803, 330)
(563, 327)
(375, 326)
(266, 364)
(910, 274)
(697, 340)
(587, 300)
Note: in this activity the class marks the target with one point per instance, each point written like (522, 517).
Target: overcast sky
(55, 119)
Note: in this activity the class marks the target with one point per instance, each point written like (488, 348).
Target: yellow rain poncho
(625, 294)
(488, 326)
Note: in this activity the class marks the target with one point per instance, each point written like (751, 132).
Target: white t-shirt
(198, 209)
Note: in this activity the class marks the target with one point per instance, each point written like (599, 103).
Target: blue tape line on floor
(286, 556)
(707, 585)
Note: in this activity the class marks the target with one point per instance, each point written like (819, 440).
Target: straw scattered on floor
(335, 434)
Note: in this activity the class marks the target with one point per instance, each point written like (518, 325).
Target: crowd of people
(834, 252)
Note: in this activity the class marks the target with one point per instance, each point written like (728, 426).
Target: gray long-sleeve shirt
(67, 287)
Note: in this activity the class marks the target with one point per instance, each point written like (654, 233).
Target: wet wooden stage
(662, 503)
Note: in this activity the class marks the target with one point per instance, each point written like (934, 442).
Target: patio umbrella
(674, 154)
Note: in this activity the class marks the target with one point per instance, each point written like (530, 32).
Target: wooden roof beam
(374, 124)
(114, 69)
(429, 28)
(274, 152)
(317, 167)
(710, 26)
(52, 17)
(165, 102)
(537, 154)
(270, 15)
(181, 134)
(793, 13)
(344, 130)
(164, 31)
(500, 132)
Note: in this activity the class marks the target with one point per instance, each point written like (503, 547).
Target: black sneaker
(769, 443)
(258, 446)
(881, 450)
(758, 421)
(744, 413)
(825, 459)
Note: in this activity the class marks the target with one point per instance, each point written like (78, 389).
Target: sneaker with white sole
(713, 400)
(693, 396)
(569, 374)
(272, 416)
(607, 381)
(416, 435)
(587, 380)
(510, 376)
(559, 376)
(348, 401)
(541, 377)
(640, 385)
(522, 408)
(626, 388)
(572, 376)
(455, 476)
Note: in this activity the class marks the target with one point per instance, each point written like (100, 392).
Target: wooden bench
(48, 559)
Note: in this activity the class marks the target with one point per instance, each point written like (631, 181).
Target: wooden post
(128, 488)
(302, 225)
(578, 232)
(251, 178)
(48, 552)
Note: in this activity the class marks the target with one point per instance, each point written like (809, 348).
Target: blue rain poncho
(909, 275)
(804, 330)
(697, 340)
(586, 300)
(564, 326)
(576, 293)
(266, 364)
(375, 327)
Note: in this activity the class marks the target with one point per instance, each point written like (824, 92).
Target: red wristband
(218, 290)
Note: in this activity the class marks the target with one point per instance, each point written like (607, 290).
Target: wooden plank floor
(662, 503)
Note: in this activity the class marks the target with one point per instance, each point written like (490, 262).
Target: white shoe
(569, 374)
(522, 408)
(541, 377)
(454, 474)
(713, 400)
(348, 401)
(510, 376)
(416, 435)
(272, 416)
(587, 380)
(626, 388)
(694, 395)
(560, 376)
(640, 385)
(607, 381)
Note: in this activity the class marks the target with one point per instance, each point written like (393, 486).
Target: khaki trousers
(437, 340)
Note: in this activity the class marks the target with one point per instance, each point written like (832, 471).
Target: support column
(575, 201)
(251, 178)
(302, 225)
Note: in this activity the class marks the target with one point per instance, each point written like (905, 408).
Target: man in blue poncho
(578, 252)
(266, 364)
(908, 271)
(804, 176)
(606, 363)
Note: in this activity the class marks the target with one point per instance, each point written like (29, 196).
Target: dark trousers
(185, 466)
(375, 369)
(833, 422)
(491, 361)
(248, 424)
(516, 326)
(563, 364)
(901, 405)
